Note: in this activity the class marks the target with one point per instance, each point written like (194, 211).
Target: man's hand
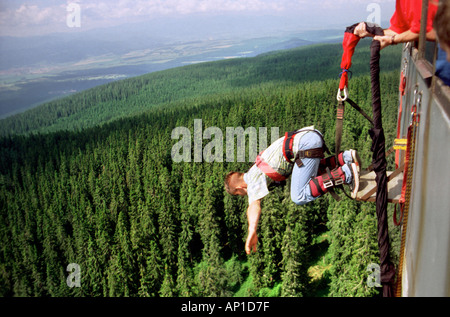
(384, 40)
(252, 240)
(361, 30)
(253, 214)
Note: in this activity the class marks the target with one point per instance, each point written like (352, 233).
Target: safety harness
(290, 156)
(269, 170)
(330, 179)
(288, 151)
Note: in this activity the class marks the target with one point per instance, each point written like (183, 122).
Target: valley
(29, 82)
(89, 180)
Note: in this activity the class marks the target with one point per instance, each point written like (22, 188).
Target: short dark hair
(228, 180)
(442, 22)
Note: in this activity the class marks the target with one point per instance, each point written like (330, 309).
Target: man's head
(442, 26)
(235, 184)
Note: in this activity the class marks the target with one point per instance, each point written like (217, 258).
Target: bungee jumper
(300, 154)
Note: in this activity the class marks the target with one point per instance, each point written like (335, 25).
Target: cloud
(128, 8)
(28, 17)
(50, 15)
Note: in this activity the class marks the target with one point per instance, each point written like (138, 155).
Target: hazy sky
(36, 17)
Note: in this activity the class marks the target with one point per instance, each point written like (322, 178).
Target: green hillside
(186, 84)
(100, 188)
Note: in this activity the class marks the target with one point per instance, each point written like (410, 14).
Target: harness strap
(288, 144)
(288, 151)
(340, 118)
(333, 179)
(339, 125)
(402, 90)
(334, 194)
(317, 189)
(268, 170)
(360, 110)
(320, 185)
(312, 153)
(288, 155)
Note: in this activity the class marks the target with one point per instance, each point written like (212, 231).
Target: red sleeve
(432, 9)
(417, 15)
(408, 14)
(399, 21)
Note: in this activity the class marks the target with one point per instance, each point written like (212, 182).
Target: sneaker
(356, 159)
(354, 185)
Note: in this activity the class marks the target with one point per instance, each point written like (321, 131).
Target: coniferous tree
(110, 199)
(151, 272)
(295, 254)
(167, 231)
(185, 275)
(212, 275)
(272, 228)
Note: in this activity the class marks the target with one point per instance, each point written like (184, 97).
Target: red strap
(316, 186)
(288, 142)
(394, 216)
(291, 145)
(402, 93)
(349, 44)
(408, 155)
(284, 147)
(268, 170)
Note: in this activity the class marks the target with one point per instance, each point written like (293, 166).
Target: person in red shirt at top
(405, 23)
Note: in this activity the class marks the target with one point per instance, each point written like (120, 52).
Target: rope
(406, 192)
(387, 268)
(346, 71)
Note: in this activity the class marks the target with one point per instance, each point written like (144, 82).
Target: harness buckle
(327, 181)
(336, 178)
(338, 181)
(328, 184)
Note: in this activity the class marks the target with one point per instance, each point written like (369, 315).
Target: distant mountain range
(38, 69)
(182, 85)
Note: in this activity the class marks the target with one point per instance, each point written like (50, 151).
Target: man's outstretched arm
(253, 215)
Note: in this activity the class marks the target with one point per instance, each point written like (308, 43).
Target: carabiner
(339, 94)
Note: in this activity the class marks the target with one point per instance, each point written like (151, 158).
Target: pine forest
(90, 180)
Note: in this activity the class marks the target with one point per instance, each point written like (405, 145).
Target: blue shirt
(443, 66)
